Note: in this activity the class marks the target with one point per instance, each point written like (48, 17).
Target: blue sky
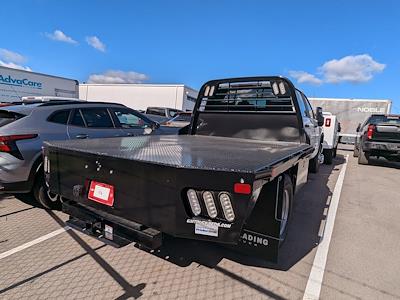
(329, 48)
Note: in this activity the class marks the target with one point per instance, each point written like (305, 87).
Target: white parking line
(314, 283)
(34, 242)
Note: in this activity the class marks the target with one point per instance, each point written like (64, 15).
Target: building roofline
(139, 84)
(42, 74)
(350, 99)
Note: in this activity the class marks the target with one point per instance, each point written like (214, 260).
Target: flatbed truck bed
(205, 185)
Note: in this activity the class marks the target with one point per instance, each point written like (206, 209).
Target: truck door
(92, 122)
(310, 124)
(130, 122)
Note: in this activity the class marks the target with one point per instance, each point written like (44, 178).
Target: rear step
(110, 229)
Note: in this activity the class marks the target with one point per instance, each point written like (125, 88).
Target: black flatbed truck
(230, 179)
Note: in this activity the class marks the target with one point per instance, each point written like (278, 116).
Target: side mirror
(358, 127)
(339, 127)
(320, 116)
(155, 125)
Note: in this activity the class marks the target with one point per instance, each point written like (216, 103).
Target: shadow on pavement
(309, 206)
(303, 235)
(382, 162)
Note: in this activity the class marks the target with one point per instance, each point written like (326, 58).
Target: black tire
(43, 196)
(363, 157)
(356, 152)
(287, 197)
(334, 152)
(328, 156)
(314, 164)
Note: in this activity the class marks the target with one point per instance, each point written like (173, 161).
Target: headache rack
(251, 96)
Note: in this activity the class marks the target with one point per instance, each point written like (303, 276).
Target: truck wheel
(286, 212)
(328, 156)
(363, 157)
(356, 152)
(314, 164)
(43, 195)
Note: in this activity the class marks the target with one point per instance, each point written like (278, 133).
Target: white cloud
(304, 77)
(11, 56)
(352, 68)
(60, 36)
(14, 66)
(12, 59)
(113, 76)
(95, 42)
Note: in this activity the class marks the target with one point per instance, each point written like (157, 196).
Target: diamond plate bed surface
(189, 151)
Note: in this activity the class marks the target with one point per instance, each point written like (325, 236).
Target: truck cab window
(309, 110)
(155, 111)
(300, 100)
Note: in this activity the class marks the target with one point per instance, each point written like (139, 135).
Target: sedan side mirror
(358, 127)
(320, 116)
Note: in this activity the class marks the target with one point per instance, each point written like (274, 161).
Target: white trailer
(331, 137)
(351, 112)
(15, 84)
(141, 96)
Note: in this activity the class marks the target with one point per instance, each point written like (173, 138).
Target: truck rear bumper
(386, 147)
(110, 229)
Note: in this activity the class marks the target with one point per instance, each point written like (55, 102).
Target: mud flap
(260, 236)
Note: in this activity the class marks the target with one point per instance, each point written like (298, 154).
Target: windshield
(384, 119)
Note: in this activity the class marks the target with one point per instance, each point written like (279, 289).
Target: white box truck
(351, 112)
(142, 96)
(15, 84)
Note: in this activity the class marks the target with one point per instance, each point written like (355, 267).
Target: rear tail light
(210, 204)
(328, 122)
(213, 209)
(226, 205)
(370, 131)
(194, 202)
(7, 143)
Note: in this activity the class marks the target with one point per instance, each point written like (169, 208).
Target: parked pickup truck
(231, 179)
(378, 136)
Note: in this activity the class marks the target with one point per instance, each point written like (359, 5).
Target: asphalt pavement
(41, 259)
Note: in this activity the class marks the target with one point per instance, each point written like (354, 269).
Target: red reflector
(370, 132)
(327, 122)
(242, 188)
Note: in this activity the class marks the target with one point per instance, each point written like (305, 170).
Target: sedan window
(128, 119)
(77, 119)
(97, 118)
(60, 117)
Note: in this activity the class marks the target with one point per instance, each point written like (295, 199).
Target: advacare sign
(8, 80)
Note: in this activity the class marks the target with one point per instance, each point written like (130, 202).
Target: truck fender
(261, 233)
